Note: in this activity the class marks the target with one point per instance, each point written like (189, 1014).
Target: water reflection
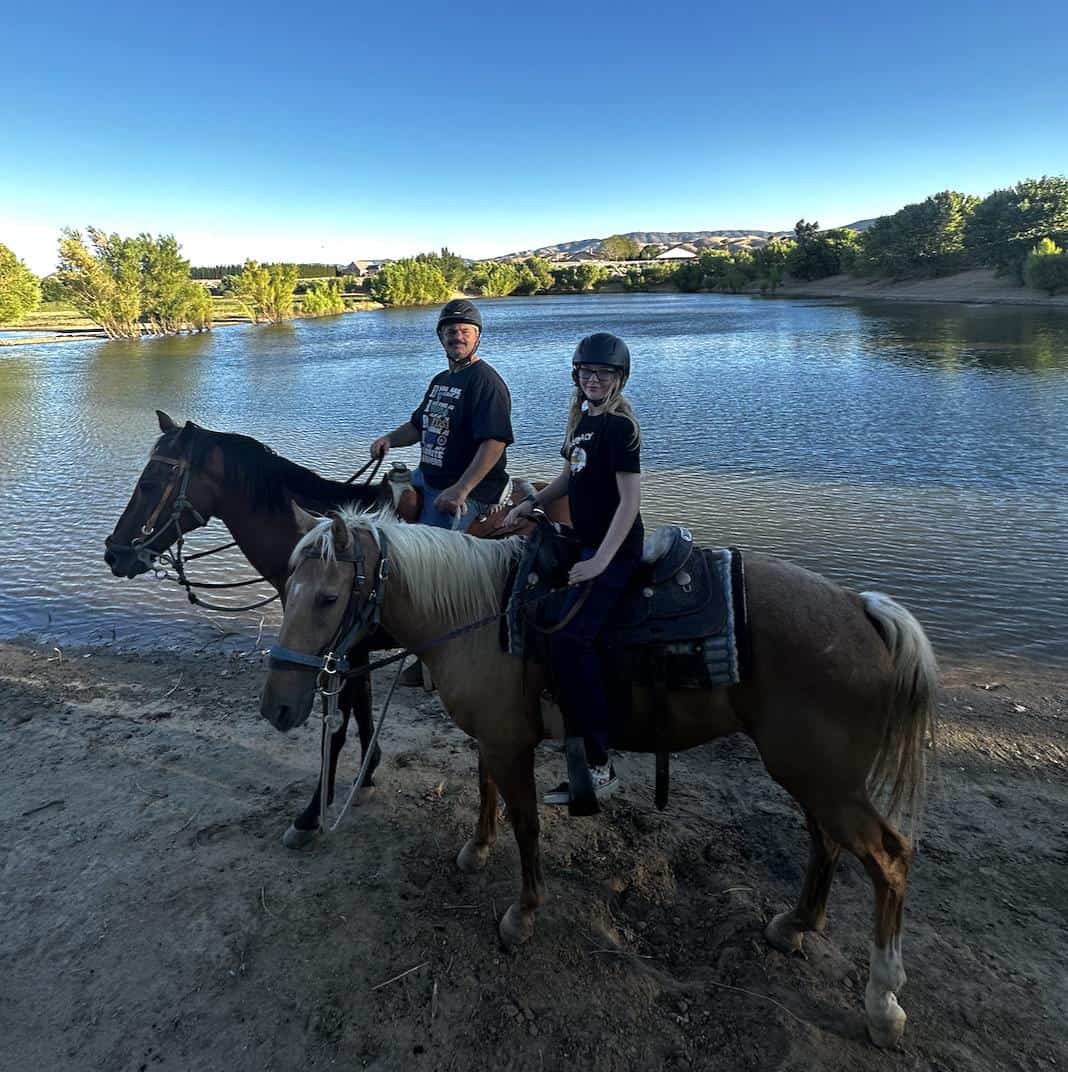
(917, 449)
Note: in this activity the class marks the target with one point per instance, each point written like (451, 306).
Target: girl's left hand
(586, 570)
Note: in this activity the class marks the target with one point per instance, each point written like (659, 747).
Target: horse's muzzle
(126, 561)
(286, 712)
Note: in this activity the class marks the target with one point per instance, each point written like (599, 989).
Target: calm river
(922, 450)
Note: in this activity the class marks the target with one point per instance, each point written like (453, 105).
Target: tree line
(142, 285)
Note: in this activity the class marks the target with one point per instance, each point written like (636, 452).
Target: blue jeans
(434, 517)
(576, 666)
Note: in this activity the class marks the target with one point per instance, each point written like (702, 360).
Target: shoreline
(62, 333)
(976, 287)
(980, 286)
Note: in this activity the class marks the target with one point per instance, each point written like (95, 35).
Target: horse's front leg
(305, 827)
(514, 774)
(357, 697)
(473, 855)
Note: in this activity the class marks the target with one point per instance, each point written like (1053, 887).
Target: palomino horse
(839, 704)
(194, 474)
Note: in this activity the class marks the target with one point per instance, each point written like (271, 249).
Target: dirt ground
(153, 920)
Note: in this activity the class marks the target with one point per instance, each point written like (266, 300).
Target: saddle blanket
(681, 623)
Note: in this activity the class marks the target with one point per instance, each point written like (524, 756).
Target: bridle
(178, 487)
(360, 620)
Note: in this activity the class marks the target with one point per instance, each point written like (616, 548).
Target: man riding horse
(463, 426)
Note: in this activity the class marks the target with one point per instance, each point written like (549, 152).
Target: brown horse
(839, 704)
(194, 474)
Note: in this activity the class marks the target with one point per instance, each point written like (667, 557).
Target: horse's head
(170, 496)
(329, 597)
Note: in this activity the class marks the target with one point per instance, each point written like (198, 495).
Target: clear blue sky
(329, 133)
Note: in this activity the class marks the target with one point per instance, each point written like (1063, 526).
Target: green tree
(535, 275)
(920, 240)
(170, 300)
(578, 278)
(649, 252)
(323, 297)
(1046, 268)
(52, 289)
(493, 279)
(20, 290)
(818, 254)
(410, 282)
(266, 290)
(769, 264)
(131, 286)
(619, 248)
(1006, 225)
(103, 282)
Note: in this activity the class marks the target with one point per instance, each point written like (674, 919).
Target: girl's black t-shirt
(602, 446)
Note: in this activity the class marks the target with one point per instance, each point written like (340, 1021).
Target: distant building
(362, 269)
(676, 253)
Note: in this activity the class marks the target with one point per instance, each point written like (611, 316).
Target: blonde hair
(615, 402)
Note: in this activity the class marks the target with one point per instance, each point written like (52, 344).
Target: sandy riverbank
(980, 285)
(153, 919)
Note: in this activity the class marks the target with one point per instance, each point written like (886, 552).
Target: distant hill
(730, 239)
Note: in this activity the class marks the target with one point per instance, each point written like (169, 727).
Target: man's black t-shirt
(601, 447)
(458, 411)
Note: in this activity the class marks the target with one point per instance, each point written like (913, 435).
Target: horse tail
(899, 769)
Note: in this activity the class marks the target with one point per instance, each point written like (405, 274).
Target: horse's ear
(342, 537)
(305, 521)
(165, 422)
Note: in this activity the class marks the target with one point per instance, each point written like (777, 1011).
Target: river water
(918, 449)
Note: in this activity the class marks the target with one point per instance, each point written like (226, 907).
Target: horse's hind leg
(472, 857)
(787, 930)
(885, 855)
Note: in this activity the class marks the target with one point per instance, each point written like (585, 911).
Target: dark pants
(576, 667)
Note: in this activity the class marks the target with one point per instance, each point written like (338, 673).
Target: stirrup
(583, 798)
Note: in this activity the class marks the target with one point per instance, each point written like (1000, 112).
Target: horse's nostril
(110, 557)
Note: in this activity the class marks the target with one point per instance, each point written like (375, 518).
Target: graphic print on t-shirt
(437, 422)
(577, 454)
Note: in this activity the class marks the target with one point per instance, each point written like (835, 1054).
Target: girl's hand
(517, 513)
(586, 571)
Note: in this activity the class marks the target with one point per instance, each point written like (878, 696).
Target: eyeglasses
(600, 374)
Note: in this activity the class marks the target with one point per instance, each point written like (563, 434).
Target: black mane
(267, 478)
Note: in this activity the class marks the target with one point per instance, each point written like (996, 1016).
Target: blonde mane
(447, 575)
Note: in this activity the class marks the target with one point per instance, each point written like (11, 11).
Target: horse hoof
(516, 926)
(299, 839)
(886, 1032)
(366, 794)
(783, 934)
(885, 1017)
(472, 857)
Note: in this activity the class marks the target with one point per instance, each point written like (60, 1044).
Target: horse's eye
(326, 599)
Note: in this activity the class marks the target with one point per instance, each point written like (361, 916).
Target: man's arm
(406, 435)
(453, 499)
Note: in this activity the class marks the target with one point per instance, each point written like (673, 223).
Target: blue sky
(327, 133)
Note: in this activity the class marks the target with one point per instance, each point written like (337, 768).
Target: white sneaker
(604, 781)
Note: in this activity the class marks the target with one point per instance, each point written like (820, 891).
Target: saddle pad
(688, 630)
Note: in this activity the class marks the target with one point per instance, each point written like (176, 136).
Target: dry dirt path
(153, 920)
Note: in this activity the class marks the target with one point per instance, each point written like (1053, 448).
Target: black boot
(583, 797)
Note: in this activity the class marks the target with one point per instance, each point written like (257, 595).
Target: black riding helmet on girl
(602, 348)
